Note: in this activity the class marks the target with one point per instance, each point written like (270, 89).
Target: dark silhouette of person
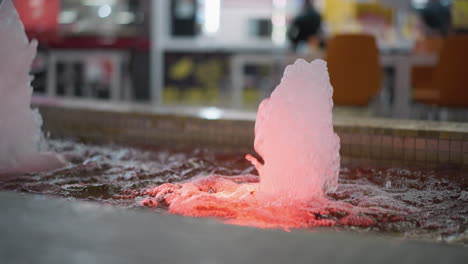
(437, 17)
(305, 27)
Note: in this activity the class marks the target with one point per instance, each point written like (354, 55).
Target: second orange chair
(354, 67)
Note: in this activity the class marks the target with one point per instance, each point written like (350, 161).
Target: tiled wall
(390, 142)
(147, 130)
(405, 146)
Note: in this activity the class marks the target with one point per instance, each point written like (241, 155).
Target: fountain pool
(195, 166)
(425, 204)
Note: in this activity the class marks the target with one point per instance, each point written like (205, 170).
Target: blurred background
(388, 58)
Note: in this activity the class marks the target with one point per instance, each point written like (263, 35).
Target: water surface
(407, 203)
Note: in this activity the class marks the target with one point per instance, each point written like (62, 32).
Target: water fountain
(298, 161)
(20, 126)
(294, 136)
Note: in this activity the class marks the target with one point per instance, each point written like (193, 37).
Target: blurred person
(437, 17)
(306, 27)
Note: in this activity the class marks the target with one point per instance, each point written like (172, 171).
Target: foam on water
(20, 134)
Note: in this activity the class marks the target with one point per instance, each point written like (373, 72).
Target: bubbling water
(295, 138)
(20, 133)
(294, 135)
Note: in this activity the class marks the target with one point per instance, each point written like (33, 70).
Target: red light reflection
(234, 200)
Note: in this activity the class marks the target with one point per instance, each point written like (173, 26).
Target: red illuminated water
(295, 138)
(421, 204)
(234, 200)
(300, 163)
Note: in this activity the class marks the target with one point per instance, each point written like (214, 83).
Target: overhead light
(104, 11)
(212, 16)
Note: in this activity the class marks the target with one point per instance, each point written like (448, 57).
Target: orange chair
(430, 44)
(449, 84)
(355, 72)
(421, 75)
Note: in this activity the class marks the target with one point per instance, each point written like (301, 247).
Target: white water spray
(20, 126)
(294, 135)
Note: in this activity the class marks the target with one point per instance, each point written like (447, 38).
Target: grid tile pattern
(390, 141)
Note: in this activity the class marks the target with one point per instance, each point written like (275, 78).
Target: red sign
(39, 15)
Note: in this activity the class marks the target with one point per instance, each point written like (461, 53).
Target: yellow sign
(460, 13)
